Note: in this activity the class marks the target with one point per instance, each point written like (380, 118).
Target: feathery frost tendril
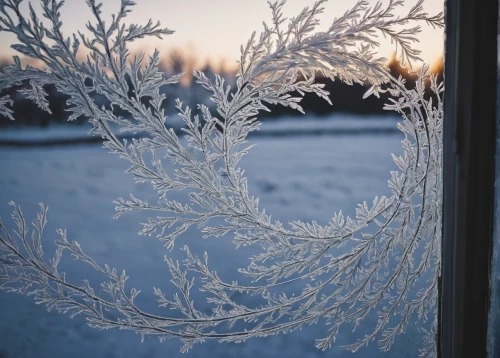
(403, 229)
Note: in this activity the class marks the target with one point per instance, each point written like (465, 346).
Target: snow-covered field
(334, 124)
(296, 177)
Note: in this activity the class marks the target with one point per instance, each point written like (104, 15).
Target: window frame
(469, 142)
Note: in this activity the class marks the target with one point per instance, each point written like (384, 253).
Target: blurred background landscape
(207, 37)
(304, 167)
(345, 99)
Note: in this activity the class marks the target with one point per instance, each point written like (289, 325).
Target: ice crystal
(275, 66)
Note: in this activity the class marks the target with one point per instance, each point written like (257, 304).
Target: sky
(213, 30)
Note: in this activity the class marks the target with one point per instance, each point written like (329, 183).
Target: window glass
(494, 318)
(360, 228)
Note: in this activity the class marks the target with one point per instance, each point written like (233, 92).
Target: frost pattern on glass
(283, 59)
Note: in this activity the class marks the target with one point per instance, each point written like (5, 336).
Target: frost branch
(284, 59)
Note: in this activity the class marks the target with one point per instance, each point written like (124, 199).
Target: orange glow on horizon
(212, 32)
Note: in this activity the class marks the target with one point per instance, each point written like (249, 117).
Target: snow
(334, 122)
(295, 125)
(306, 178)
(66, 131)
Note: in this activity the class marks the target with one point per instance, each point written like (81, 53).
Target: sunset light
(212, 31)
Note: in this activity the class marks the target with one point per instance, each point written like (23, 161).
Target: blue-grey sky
(214, 29)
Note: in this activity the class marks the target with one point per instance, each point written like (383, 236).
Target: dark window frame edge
(469, 142)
